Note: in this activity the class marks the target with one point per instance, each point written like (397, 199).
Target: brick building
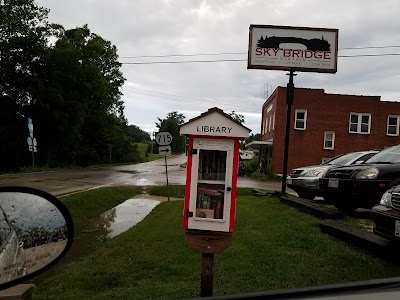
(325, 125)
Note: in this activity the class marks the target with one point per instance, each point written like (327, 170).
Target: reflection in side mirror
(36, 231)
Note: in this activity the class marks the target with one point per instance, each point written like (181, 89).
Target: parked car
(305, 181)
(352, 187)
(386, 215)
(242, 169)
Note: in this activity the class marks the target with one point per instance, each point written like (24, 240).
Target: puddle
(143, 182)
(121, 218)
(126, 215)
(110, 224)
(129, 171)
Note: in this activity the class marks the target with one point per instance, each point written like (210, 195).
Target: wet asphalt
(144, 174)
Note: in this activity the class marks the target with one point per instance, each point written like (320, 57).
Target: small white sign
(164, 150)
(30, 127)
(34, 142)
(163, 138)
(29, 140)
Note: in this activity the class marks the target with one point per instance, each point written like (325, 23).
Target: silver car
(305, 181)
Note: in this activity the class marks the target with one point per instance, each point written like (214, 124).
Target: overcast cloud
(150, 28)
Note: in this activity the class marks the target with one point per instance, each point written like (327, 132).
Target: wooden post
(207, 243)
(207, 275)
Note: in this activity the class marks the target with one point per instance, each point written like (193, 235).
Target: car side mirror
(359, 162)
(36, 231)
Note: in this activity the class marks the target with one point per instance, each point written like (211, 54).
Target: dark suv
(351, 187)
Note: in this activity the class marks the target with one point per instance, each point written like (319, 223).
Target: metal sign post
(32, 143)
(311, 50)
(163, 139)
(289, 102)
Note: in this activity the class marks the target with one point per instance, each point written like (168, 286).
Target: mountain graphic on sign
(311, 44)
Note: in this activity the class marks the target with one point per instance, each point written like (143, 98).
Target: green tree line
(68, 81)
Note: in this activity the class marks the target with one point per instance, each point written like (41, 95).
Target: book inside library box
(212, 165)
(211, 184)
(210, 201)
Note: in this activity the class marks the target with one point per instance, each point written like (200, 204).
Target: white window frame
(397, 125)
(326, 140)
(305, 119)
(265, 125)
(359, 119)
(273, 122)
(270, 124)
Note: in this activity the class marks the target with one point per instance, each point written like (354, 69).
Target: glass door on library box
(211, 185)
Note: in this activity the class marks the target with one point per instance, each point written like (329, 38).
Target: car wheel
(328, 199)
(306, 195)
(345, 205)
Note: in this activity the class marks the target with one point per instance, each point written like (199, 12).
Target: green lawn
(274, 247)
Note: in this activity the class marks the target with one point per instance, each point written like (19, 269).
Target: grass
(274, 247)
(176, 191)
(359, 223)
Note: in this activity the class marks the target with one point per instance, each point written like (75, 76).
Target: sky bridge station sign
(293, 48)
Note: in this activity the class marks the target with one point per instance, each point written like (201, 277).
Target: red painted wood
(234, 184)
(188, 182)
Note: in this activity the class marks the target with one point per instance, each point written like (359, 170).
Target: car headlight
(370, 173)
(386, 199)
(313, 173)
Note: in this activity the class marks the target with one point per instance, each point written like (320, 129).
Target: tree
(23, 41)
(138, 134)
(79, 100)
(252, 137)
(70, 88)
(237, 117)
(171, 124)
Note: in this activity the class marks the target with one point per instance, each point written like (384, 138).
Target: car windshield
(180, 106)
(388, 156)
(344, 159)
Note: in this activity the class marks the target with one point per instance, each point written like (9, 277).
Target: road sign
(34, 142)
(30, 127)
(29, 140)
(164, 150)
(163, 138)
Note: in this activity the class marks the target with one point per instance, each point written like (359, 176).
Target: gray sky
(183, 27)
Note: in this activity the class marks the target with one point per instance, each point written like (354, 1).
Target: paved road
(150, 173)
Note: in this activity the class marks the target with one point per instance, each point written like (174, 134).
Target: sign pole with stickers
(293, 49)
(32, 143)
(164, 139)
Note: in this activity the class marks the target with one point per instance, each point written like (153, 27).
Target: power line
(168, 96)
(174, 55)
(240, 53)
(372, 47)
(236, 60)
(181, 62)
(366, 55)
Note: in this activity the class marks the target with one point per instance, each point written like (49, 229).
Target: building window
(270, 124)
(393, 125)
(265, 125)
(360, 123)
(273, 122)
(329, 140)
(301, 119)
